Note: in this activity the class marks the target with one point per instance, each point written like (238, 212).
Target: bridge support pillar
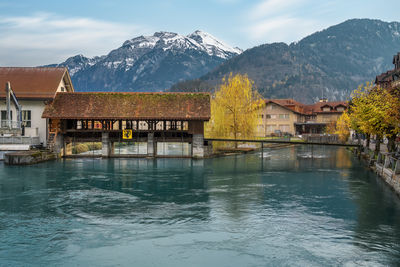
(150, 145)
(67, 149)
(106, 145)
(59, 145)
(198, 146)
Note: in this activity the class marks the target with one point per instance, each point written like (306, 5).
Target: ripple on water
(237, 211)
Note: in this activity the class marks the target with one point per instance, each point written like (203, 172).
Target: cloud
(45, 38)
(271, 7)
(281, 21)
(282, 29)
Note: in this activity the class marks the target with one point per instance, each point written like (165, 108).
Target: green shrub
(80, 148)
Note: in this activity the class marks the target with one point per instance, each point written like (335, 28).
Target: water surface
(296, 207)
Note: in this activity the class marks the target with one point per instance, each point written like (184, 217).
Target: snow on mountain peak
(212, 44)
(198, 40)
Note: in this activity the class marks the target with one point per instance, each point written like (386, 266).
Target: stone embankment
(385, 165)
(28, 157)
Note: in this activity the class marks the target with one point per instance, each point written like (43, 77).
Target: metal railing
(9, 124)
(25, 140)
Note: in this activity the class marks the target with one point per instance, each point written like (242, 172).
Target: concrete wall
(198, 146)
(38, 125)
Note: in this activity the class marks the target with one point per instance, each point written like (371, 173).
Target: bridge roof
(134, 106)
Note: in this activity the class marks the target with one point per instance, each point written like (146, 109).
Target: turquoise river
(290, 208)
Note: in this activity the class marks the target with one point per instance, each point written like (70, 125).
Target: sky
(40, 32)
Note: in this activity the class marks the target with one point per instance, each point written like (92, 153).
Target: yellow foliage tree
(330, 128)
(234, 109)
(343, 127)
(375, 111)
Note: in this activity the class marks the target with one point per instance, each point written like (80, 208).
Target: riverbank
(385, 165)
(28, 157)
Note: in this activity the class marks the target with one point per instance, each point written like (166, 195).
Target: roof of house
(304, 109)
(386, 78)
(144, 106)
(34, 83)
(318, 107)
(290, 104)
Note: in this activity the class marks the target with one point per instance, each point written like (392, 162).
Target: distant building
(391, 78)
(280, 116)
(34, 88)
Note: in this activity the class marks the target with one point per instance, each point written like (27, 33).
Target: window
(270, 128)
(283, 116)
(273, 116)
(185, 126)
(160, 125)
(326, 109)
(26, 118)
(4, 118)
(340, 109)
(284, 128)
(62, 89)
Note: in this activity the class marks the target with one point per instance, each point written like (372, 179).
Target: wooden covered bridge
(143, 117)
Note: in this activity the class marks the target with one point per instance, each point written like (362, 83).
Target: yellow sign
(127, 134)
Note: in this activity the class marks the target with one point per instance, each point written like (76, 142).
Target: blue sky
(42, 32)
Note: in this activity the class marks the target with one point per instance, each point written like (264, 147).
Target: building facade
(287, 116)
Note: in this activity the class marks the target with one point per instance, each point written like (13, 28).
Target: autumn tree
(374, 111)
(330, 128)
(234, 109)
(343, 127)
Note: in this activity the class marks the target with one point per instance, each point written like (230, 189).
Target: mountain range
(149, 63)
(330, 63)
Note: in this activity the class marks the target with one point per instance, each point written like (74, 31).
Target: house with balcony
(33, 89)
(280, 116)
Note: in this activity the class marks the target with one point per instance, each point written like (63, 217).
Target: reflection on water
(130, 148)
(173, 149)
(243, 210)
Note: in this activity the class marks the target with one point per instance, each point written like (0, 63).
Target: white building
(33, 88)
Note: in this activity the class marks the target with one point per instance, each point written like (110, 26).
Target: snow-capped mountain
(150, 63)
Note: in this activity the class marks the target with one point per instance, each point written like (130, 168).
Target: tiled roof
(33, 83)
(385, 77)
(291, 104)
(317, 107)
(307, 109)
(180, 106)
